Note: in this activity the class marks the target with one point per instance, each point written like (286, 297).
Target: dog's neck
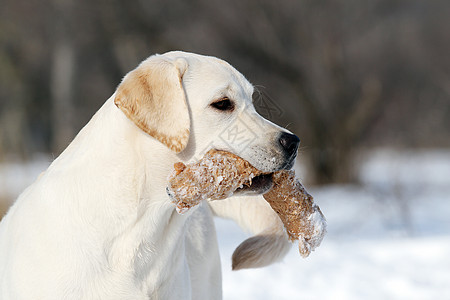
(147, 239)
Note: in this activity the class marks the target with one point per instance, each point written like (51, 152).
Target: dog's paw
(260, 251)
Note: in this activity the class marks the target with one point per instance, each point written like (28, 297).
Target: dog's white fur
(98, 224)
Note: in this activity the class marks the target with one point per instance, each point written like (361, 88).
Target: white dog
(98, 224)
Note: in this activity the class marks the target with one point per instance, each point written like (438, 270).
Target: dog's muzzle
(289, 143)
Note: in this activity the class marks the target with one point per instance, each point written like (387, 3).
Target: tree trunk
(62, 78)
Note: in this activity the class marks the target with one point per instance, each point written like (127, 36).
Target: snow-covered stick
(302, 218)
(215, 177)
(219, 174)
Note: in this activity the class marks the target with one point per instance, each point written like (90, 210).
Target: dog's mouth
(259, 185)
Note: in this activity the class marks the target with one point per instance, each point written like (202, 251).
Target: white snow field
(388, 237)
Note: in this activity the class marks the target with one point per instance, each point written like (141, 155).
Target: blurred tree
(308, 52)
(346, 74)
(343, 78)
(62, 81)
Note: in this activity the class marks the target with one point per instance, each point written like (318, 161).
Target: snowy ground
(388, 238)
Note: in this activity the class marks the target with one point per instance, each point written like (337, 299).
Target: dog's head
(192, 103)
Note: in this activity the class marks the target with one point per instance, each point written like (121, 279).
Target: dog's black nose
(290, 143)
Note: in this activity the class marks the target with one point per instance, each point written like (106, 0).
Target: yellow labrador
(98, 224)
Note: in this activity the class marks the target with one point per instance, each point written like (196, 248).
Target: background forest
(343, 75)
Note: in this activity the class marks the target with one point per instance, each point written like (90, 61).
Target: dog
(98, 224)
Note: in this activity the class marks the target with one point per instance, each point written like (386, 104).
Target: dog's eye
(223, 104)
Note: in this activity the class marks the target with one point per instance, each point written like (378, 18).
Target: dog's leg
(202, 255)
(270, 243)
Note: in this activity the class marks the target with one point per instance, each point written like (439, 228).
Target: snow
(388, 238)
(15, 175)
(365, 255)
(319, 224)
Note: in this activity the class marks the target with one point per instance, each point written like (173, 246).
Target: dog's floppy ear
(152, 96)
